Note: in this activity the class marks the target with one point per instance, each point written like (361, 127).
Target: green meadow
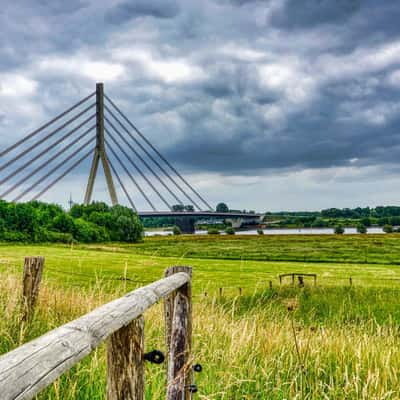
(331, 341)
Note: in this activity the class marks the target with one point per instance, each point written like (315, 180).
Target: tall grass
(348, 342)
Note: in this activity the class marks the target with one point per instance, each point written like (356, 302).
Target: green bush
(213, 231)
(387, 228)
(361, 228)
(339, 230)
(176, 230)
(260, 232)
(229, 230)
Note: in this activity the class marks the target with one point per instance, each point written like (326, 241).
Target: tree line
(41, 222)
(367, 216)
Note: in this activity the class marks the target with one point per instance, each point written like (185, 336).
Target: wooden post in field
(240, 291)
(183, 306)
(33, 269)
(351, 281)
(270, 285)
(125, 362)
(177, 359)
(220, 292)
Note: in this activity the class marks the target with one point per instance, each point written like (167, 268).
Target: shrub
(339, 230)
(361, 228)
(229, 230)
(387, 228)
(87, 232)
(176, 230)
(260, 232)
(213, 231)
(63, 223)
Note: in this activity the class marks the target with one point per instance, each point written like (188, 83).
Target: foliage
(387, 228)
(229, 230)
(334, 216)
(181, 207)
(339, 230)
(41, 222)
(176, 230)
(222, 208)
(260, 232)
(361, 228)
(213, 231)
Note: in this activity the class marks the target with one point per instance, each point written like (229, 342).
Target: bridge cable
(45, 151)
(64, 173)
(58, 166)
(153, 159)
(157, 152)
(48, 136)
(44, 164)
(122, 185)
(130, 175)
(146, 164)
(4, 152)
(138, 169)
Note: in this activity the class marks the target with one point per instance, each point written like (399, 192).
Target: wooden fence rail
(30, 368)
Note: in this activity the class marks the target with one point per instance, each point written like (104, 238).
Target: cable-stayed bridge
(96, 128)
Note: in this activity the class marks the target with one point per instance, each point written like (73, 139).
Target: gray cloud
(223, 88)
(141, 8)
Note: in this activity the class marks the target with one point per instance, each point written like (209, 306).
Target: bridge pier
(185, 224)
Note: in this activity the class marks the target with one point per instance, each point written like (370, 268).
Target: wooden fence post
(220, 292)
(270, 285)
(169, 307)
(33, 269)
(125, 362)
(178, 365)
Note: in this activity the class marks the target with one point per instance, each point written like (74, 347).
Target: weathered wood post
(125, 362)
(178, 337)
(178, 365)
(240, 292)
(270, 285)
(351, 281)
(220, 292)
(33, 269)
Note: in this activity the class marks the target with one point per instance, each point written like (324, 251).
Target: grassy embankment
(348, 338)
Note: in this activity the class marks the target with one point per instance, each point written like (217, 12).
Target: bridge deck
(228, 215)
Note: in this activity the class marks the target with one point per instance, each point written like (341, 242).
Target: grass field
(348, 338)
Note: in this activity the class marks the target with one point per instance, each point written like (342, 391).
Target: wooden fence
(30, 368)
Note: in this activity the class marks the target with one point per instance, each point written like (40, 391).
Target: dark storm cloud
(220, 86)
(311, 13)
(141, 8)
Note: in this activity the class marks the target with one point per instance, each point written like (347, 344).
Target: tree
(189, 207)
(339, 230)
(222, 208)
(63, 223)
(260, 232)
(366, 221)
(178, 207)
(176, 230)
(229, 230)
(387, 228)
(361, 228)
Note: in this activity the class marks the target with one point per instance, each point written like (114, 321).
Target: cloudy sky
(267, 105)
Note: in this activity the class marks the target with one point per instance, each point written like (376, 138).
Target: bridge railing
(30, 368)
